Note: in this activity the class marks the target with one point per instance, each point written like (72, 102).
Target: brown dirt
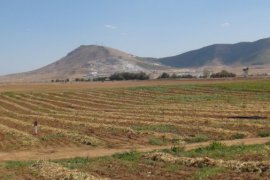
(64, 153)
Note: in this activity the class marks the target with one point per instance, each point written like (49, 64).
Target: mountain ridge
(242, 53)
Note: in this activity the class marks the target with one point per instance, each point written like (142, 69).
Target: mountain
(96, 61)
(86, 62)
(240, 54)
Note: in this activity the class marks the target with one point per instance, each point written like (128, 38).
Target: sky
(34, 33)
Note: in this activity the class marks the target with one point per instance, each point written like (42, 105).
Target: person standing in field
(35, 125)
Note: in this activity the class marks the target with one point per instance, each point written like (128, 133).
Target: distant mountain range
(95, 61)
(244, 53)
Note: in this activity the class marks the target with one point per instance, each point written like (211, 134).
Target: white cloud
(109, 26)
(225, 24)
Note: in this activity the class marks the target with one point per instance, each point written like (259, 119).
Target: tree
(164, 76)
(129, 76)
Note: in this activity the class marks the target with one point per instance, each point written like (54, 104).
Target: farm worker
(35, 127)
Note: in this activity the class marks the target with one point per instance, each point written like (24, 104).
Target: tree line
(120, 76)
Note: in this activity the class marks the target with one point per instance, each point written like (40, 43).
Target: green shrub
(16, 164)
(213, 147)
(198, 138)
(207, 173)
(156, 141)
(263, 133)
(237, 136)
(156, 127)
(128, 156)
(177, 150)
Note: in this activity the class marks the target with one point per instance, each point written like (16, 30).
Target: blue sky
(34, 33)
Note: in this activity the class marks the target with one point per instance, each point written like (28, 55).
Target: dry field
(132, 114)
(128, 116)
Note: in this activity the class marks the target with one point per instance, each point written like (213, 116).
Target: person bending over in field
(35, 125)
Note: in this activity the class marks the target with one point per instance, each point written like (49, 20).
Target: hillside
(243, 54)
(87, 62)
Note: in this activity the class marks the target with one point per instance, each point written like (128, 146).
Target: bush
(223, 74)
(238, 136)
(263, 133)
(199, 138)
(177, 150)
(128, 156)
(156, 141)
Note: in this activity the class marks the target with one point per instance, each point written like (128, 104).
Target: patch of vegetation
(207, 172)
(191, 98)
(128, 156)
(176, 150)
(17, 164)
(268, 143)
(248, 86)
(237, 136)
(198, 138)
(9, 94)
(164, 88)
(263, 133)
(48, 137)
(161, 89)
(219, 150)
(82, 162)
(157, 141)
(173, 167)
(128, 160)
(156, 128)
(264, 97)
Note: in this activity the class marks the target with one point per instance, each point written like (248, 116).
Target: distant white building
(245, 71)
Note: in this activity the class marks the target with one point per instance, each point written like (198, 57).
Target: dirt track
(45, 154)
